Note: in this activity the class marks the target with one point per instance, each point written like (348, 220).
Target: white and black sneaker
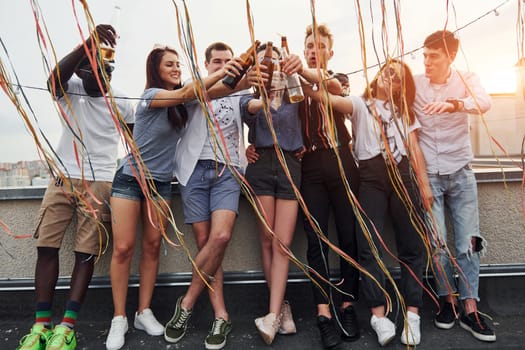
(446, 318)
(475, 324)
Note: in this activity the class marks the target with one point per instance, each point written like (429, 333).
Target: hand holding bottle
(255, 79)
(107, 49)
(233, 68)
(106, 35)
(292, 64)
(245, 60)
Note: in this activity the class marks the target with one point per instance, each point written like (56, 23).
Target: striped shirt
(316, 126)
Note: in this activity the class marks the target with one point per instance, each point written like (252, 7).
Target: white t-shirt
(89, 142)
(226, 111)
(367, 130)
(193, 138)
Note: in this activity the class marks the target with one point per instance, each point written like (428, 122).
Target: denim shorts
(211, 187)
(267, 177)
(127, 187)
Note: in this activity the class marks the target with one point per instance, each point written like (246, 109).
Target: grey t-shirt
(155, 138)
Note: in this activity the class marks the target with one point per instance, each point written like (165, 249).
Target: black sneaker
(329, 335)
(475, 324)
(349, 324)
(446, 318)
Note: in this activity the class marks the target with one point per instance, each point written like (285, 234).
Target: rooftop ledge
(486, 171)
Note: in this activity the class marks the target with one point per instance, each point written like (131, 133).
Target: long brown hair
(406, 93)
(177, 115)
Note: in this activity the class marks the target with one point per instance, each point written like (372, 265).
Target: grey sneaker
(175, 329)
(219, 331)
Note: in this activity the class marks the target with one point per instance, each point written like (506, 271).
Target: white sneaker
(146, 321)
(119, 328)
(385, 329)
(287, 323)
(414, 331)
(268, 326)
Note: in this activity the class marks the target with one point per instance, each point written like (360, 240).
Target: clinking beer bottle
(293, 83)
(267, 61)
(247, 60)
(107, 53)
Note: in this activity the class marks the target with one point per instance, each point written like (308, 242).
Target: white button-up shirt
(445, 138)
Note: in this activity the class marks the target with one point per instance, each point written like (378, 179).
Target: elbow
(486, 106)
(53, 86)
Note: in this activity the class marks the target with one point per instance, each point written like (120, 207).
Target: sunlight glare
(501, 81)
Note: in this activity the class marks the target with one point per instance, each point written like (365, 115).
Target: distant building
(38, 181)
(505, 122)
(24, 173)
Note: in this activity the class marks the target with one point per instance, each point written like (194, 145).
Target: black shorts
(267, 177)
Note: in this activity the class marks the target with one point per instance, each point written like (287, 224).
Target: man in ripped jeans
(444, 99)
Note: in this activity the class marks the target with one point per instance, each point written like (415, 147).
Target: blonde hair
(322, 30)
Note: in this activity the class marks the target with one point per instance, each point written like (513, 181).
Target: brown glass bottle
(247, 58)
(267, 61)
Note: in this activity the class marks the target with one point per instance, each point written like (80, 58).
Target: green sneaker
(216, 338)
(175, 329)
(63, 339)
(37, 339)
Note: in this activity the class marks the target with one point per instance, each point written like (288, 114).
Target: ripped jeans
(458, 193)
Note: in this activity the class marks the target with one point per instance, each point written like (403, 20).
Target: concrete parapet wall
(501, 222)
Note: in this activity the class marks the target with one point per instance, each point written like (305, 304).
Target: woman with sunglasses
(388, 151)
(142, 186)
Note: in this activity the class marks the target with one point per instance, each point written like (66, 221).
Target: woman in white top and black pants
(385, 137)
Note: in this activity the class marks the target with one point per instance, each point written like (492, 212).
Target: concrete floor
(503, 299)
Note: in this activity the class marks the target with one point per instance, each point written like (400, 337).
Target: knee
(122, 251)
(221, 238)
(280, 245)
(151, 247)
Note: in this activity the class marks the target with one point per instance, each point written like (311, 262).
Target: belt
(210, 164)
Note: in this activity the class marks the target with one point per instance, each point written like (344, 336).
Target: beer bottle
(293, 83)
(247, 58)
(107, 53)
(267, 61)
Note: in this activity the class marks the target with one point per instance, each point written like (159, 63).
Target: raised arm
(478, 101)
(220, 90)
(65, 68)
(314, 76)
(339, 103)
(168, 98)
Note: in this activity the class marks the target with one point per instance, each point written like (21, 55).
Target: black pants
(323, 189)
(379, 199)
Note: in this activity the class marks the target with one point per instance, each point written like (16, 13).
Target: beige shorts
(64, 200)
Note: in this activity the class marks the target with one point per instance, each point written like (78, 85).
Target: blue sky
(489, 45)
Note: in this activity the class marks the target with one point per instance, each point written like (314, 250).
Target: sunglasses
(391, 74)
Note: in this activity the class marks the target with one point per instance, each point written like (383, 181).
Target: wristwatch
(458, 104)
